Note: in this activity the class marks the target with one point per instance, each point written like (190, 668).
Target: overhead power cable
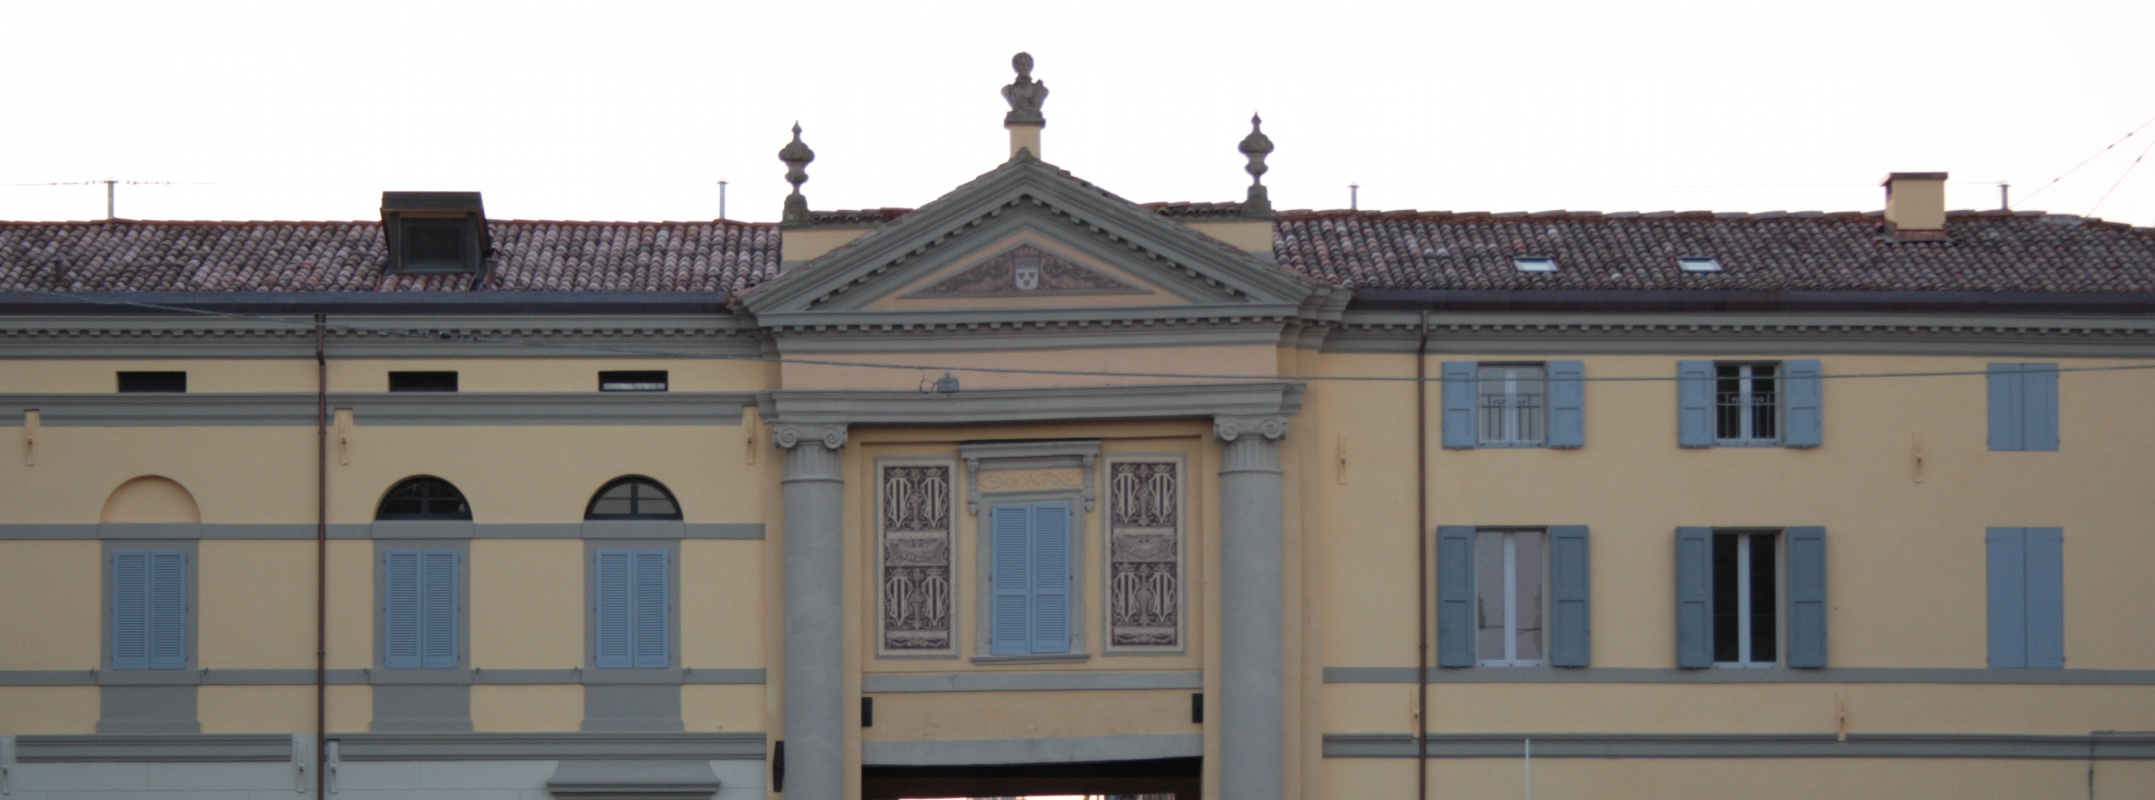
(443, 336)
(2121, 178)
(2076, 167)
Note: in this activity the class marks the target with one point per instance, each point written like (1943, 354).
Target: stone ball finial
(1025, 95)
(1255, 147)
(797, 157)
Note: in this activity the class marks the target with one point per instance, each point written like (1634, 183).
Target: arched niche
(151, 498)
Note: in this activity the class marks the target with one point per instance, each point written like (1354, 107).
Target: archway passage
(1164, 776)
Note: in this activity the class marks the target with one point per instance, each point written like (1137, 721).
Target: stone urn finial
(797, 157)
(1255, 147)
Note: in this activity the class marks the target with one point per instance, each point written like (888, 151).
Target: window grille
(1513, 407)
(1747, 403)
(423, 498)
(633, 498)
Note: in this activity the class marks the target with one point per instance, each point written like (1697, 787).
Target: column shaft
(1252, 599)
(815, 597)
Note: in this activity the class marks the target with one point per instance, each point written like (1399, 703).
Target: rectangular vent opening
(164, 382)
(633, 381)
(422, 381)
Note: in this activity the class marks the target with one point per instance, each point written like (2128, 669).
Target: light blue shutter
(1695, 404)
(1455, 596)
(1051, 578)
(1571, 642)
(2039, 406)
(1459, 385)
(1807, 597)
(437, 642)
(2007, 598)
(1694, 598)
(649, 631)
(1012, 632)
(612, 609)
(1806, 426)
(402, 601)
(2046, 598)
(1567, 404)
(2006, 416)
(168, 610)
(131, 610)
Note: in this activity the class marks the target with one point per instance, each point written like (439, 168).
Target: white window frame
(1511, 599)
(1513, 418)
(1746, 400)
(1743, 600)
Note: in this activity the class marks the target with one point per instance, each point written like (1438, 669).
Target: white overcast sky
(633, 111)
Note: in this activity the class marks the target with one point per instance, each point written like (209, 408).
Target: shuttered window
(149, 609)
(1514, 405)
(1513, 597)
(1742, 595)
(419, 609)
(1030, 579)
(1749, 404)
(2026, 597)
(631, 608)
(2023, 406)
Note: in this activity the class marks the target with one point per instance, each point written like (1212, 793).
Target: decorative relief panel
(1031, 480)
(1026, 270)
(1144, 554)
(914, 545)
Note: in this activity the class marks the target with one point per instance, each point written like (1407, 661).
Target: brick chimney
(1915, 206)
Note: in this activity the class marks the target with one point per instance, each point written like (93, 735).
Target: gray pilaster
(1252, 609)
(815, 597)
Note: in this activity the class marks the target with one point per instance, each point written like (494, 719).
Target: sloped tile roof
(1986, 251)
(123, 256)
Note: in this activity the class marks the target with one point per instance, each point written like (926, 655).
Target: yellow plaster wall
(913, 716)
(1251, 236)
(351, 708)
(351, 604)
(255, 709)
(723, 707)
(1718, 778)
(515, 374)
(1905, 558)
(48, 710)
(721, 604)
(204, 376)
(150, 499)
(256, 604)
(50, 609)
(527, 708)
(235, 474)
(527, 604)
(800, 244)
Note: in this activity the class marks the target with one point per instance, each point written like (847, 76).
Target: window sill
(1041, 658)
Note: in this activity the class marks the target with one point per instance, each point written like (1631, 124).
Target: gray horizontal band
(1155, 401)
(895, 683)
(379, 677)
(1031, 751)
(2095, 677)
(294, 409)
(1724, 333)
(394, 747)
(640, 529)
(2099, 746)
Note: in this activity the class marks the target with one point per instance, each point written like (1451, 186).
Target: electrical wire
(443, 336)
(2121, 178)
(2076, 167)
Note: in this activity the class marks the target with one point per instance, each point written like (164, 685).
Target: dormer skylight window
(1699, 264)
(434, 232)
(1534, 263)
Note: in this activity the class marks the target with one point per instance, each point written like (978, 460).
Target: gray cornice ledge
(1153, 401)
(550, 746)
(627, 779)
(194, 748)
(2097, 746)
(376, 409)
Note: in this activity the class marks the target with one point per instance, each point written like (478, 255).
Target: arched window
(633, 497)
(424, 497)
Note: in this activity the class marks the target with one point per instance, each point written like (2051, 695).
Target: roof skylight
(1534, 263)
(1699, 264)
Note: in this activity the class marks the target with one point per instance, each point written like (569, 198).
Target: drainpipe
(321, 556)
(1421, 564)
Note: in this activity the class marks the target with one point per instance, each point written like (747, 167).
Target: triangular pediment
(1028, 236)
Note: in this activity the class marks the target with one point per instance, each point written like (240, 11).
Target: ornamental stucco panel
(916, 506)
(1145, 532)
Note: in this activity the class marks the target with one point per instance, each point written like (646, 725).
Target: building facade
(1034, 489)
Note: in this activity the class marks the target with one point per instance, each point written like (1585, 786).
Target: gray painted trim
(671, 779)
(158, 336)
(378, 677)
(147, 710)
(1032, 751)
(260, 748)
(550, 746)
(2077, 677)
(418, 708)
(383, 530)
(1192, 400)
(2099, 746)
(901, 682)
(372, 409)
(1756, 334)
(1034, 454)
(1071, 329)
(632, 708)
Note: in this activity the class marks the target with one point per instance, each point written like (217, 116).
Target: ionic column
(1252, 608)
(815, 596)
